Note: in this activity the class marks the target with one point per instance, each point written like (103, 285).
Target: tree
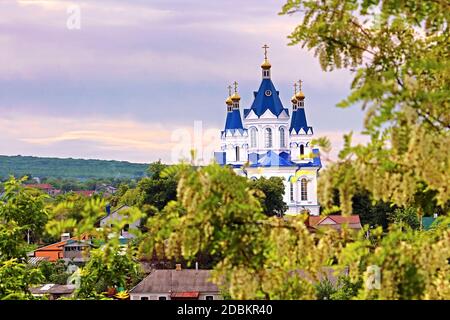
(158, 190)
(272, 195)
(111, 266)
(54, 272)
(21, 211)
(408, 216)
(399, 53)
(153, 191)
(24, 207)
(264, 257)
(16, 279)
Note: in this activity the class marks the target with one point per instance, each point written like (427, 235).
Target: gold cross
(300, 84)
(265, 47)
(295, 87)
(229, 90)
(235, 86)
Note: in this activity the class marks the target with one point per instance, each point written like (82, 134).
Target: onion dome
(300, 95)
(266, 64)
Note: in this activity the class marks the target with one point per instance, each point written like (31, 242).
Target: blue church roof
(298, 121)
(234, 120)
(263, 102)
(272, 159)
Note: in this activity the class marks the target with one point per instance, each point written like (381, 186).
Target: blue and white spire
(299, 125)
(267, 97)
(233, 121)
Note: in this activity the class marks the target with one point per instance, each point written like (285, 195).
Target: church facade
(269, 140)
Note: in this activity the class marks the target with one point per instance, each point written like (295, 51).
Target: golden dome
(229, 101)
(266, 64)
(235, 97)
(300, 95)
(294, 99)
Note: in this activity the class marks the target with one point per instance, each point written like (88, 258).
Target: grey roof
(121, 208)
(76, 243)
(172, 281)
(53, 289)
(36, 260)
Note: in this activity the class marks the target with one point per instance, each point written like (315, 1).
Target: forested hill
(68, 168)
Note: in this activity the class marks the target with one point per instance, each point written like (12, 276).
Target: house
(333, 221)
(45, 187)
(118, 215)
(56, 251)
(53, 291)
(178, 284)
(76, 251)
(85, 193)
(106, 190)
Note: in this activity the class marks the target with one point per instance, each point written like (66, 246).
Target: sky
(142, 80)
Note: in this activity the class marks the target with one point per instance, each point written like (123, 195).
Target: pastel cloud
(143, 69)
(123, 139)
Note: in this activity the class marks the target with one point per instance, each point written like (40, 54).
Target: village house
(45, 187)
(178, 284)
(53, 291)
(333, 221)
(70, 249)
(85, 193)
(106, 190)
(118, 215)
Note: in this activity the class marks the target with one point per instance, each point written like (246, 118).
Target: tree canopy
(399, 55)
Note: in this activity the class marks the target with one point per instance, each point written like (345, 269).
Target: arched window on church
(302, 149)
(268, 138)
(282, 138)
(291, 191)
(253, 137)
(304, 192)
(237, 153)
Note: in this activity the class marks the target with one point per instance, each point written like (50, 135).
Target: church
(269, 140)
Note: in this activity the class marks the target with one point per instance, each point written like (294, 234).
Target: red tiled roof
(338, 219)
(57, 246)
(349, 219)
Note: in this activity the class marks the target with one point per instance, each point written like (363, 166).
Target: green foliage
(272, 195)
(399, 52)
(69, 168)
(408, 216)
(54, 272)
(324, 290)
(264, 257)
(346, 289)
(151, 193)
(16, 278)
(111, 266)
(23, 207)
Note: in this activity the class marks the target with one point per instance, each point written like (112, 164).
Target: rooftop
(173, 281)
